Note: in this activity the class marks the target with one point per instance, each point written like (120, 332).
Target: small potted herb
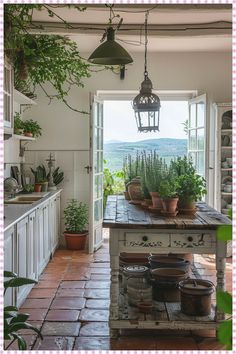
(154, 168)
(18, 124)
(32, 128)
(191, 186)
(168, 194)
(131, 171)
(76, 221)
(28, 188)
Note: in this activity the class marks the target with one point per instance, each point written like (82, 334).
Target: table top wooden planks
(119, 213)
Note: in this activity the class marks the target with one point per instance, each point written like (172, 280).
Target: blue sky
(120, 124)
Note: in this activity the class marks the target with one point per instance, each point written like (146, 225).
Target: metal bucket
(165, 284)
(196, 296)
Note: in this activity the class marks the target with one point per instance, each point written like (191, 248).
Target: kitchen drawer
(145, 240)
(201, 240)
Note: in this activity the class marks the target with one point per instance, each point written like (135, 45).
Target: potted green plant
(191, 186)
(132, 178)
(18, 124)
(153, 169)
(14, 321)
(32, 128)
(28, 188)
(168, 193)
(76, 221)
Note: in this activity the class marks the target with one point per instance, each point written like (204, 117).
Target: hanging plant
(42, 59)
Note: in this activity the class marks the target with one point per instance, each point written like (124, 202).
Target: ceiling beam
(171, 30)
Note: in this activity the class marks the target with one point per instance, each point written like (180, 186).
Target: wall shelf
(22, 99)
(23, 138)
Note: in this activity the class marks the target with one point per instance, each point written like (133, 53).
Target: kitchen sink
(22, 200)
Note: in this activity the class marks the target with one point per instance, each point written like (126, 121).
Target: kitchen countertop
(15, 212)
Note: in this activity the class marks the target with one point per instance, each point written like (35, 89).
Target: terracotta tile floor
(70, 305)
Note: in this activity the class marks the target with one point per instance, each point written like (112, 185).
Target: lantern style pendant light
(146, 104)
(110, 52)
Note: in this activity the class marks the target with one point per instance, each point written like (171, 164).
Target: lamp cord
(146, 43)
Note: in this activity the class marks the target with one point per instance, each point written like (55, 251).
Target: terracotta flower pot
(126, 194)
(75, 241)
(44, 186)
(37, 187)
(186, 204)
(169, 205)
(29, 134)
(156, 200)
(135, 190)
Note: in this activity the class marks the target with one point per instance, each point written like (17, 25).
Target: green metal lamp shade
(110, 52)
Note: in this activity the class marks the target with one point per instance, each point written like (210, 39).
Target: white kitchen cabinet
(8, 98)
(29, 244)
(47, 241)
(223, 154)
(9, 258)
(32, 247)
(21, 258)
(43, 237)
(53, 224)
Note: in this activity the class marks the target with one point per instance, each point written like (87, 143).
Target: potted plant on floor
(32, 128)
(76, 221)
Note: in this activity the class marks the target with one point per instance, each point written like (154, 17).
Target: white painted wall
(66, 133)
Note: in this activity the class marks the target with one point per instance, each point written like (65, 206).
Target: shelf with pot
(223, 156)
(23, 137)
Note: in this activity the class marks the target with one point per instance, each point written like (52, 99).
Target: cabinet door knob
(145, 238)
(190, 238)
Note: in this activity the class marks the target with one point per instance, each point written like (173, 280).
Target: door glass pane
(98, 210)
(96, 118)
(192, 118)
(98, 186)
(192, 140)
(200, 163)
(200, 139)
(200, 114)
(192, 156)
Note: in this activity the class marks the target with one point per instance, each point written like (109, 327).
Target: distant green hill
(166, 148)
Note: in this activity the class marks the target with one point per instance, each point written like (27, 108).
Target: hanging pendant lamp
(110, 52)
(146, 104)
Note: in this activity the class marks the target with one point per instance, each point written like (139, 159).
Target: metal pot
(165, 283)
(168, 262)
(196, 296)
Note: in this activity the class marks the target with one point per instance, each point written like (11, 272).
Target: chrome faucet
(11, 187)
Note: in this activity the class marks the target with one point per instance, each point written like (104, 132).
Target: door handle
(88, 168)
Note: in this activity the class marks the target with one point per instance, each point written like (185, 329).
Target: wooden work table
(133, 229)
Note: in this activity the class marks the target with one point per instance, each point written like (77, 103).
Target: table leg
(114, 290)
(220, 272)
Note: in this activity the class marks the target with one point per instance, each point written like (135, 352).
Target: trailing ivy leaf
(21, 325)
(21, 317)
(10, 308)
(15, 282)
(224, 334)
(224, 301)
(21, 342)
(224, 232)
(8, 274)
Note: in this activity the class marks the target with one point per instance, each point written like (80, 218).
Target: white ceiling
(160, 17)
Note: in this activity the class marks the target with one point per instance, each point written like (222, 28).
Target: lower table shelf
(164, 315)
